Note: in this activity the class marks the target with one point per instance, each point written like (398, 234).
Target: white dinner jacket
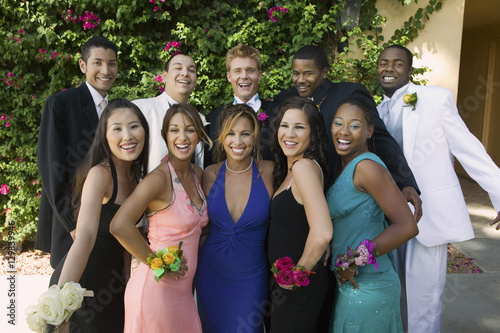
(154, 110)
(432, 134)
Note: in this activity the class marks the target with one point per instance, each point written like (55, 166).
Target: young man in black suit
(244, 72)
(69, 120)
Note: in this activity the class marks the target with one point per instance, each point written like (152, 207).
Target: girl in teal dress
(368, 297)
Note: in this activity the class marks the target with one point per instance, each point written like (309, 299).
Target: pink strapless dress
(168, 305)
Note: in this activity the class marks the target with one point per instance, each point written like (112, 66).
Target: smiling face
(350, 131)
(393, 70)
(180, 80)
(125, 135)
(239, 141)
(294, 133)
(182, 137)
(100, 69)
(307, 76)
(244, 77)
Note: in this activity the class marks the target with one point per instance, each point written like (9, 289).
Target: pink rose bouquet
(361, 256)
(288, 274)
(166, 260)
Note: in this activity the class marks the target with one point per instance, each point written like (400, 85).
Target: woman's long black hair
(100, 153)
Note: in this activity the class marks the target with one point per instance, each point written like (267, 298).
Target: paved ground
(471, 302)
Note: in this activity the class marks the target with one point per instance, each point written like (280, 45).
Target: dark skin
(350, 125)
(393, 72)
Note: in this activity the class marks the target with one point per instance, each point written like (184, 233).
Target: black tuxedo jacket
(329, 96)
(265, 133)
(69, 120)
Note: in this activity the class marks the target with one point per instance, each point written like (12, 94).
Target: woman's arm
(308, 181)
(374, 179)
(94, 190)
(151, 192)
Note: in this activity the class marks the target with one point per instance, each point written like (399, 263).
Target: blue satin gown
(232, 276)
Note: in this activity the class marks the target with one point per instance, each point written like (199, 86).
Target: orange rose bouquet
(166, 260)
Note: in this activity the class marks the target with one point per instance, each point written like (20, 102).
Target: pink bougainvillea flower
(35, 182)
(7, 124)
(43, 51)
(4, 189)
(3, 117)
(20, 31)
(158, 78)
(9, 74)
(161, 88)
(172, 44)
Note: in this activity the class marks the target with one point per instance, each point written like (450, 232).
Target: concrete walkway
(471, 302)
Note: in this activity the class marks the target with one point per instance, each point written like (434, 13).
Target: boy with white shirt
(180, 80)
(426, 124)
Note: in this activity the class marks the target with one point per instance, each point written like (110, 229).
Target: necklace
(242, 171)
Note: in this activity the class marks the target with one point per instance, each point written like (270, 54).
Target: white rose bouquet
(55, 306)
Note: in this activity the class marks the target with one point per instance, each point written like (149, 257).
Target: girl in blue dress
(232, 275)
(368, 297)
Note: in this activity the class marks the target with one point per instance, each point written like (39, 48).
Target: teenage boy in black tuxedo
(69, 120)
(244, 72)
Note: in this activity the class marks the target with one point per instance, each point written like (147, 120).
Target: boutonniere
(262, 117)
(410, 100)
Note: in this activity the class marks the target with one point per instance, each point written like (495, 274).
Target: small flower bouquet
(363, 255)
(55, 306)
(410, 100)
(166, 260)
(288, 274)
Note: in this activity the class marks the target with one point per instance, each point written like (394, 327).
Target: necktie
(387, 115)
(102, 105)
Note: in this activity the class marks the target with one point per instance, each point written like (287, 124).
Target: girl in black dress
(115, 163)
(300, 226)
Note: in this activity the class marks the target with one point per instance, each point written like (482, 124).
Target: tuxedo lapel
(88, 106)
(410, 122)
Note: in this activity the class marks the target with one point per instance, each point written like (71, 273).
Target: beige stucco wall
(438, 44)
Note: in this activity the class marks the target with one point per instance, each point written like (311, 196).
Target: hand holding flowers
(55, 306)
(289, 275)
(168, 262)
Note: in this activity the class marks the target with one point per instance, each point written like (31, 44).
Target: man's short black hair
(97, 41)
(313, 52)
(408, 52)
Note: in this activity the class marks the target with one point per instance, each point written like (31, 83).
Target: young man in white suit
(431, 133)
(180, 80)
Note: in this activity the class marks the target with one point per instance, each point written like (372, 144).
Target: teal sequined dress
(356, 217)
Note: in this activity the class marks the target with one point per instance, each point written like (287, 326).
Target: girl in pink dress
(176, 208)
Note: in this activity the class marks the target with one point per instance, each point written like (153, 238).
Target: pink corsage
(288, 274)
(363, 255)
